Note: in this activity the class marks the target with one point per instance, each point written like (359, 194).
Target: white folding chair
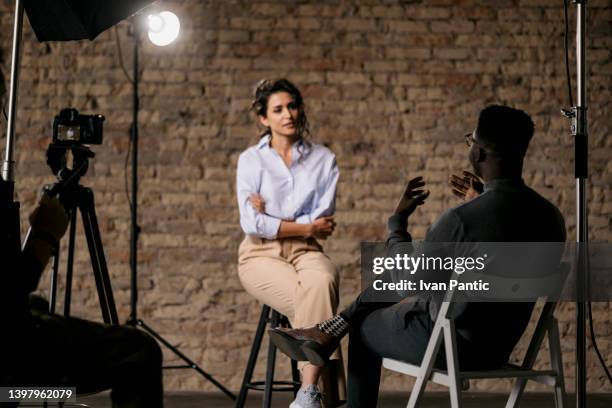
(456, 380)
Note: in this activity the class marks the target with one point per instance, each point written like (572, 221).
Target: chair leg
(531, 354)
(267, 401)
(556, 361)
(248, 373)
(452, 364)
(426, 366)
(516, 393)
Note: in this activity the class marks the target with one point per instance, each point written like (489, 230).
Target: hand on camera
(49, 217)
(322, 227)
(412, 197)
(257, 202)
(466, 187)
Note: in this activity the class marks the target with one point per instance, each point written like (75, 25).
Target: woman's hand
(322, 227)
(257, 202)
(412, 197)
(467, 187)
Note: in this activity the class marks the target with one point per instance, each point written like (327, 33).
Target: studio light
(163, 27)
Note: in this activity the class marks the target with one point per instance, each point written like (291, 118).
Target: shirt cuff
(270, 227)
(303, 219)
(397, 222)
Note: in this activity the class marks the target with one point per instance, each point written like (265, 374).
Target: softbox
(65, 20)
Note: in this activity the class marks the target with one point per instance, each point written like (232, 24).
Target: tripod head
(58, 160)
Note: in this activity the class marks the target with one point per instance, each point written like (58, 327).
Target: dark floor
(389, 400)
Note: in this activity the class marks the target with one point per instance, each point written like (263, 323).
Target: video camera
(72, 132)
(72, 128)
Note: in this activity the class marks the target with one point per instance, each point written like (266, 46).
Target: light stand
(135, 229)
(10, 233)
(579, 129)
(9, 163)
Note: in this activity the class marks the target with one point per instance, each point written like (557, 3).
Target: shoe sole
(315, 353)
(288, 345)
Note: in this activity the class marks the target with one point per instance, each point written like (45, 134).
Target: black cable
(591, 329)
(566, 47)
(127, 155)
(120, 52)
(125, 176)
(601, 360)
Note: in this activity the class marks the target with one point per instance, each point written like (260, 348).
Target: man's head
(500, 142)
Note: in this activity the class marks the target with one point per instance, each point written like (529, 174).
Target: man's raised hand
(412, 197)
(467, 186)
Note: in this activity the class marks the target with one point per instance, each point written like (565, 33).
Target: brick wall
(390, 86)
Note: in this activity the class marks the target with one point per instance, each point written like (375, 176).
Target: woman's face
(282, 115)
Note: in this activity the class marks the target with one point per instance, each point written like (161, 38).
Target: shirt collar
(300, 144)
(504, 184)
(264, 141)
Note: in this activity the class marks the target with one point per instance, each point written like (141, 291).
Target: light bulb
(163, 28)
(156, 23)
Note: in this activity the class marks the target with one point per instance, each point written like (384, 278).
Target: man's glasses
(469, 140)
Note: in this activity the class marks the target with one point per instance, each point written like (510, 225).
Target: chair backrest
(511, 289)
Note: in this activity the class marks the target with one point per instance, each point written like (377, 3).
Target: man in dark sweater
(506, 211)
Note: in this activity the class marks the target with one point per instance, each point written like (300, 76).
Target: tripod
(82, 199)
(75, 197)
(135, 229)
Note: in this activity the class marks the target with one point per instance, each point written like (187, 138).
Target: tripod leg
(96, 253)
(70, 262)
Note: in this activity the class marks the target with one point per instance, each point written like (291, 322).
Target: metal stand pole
(7, 166)
(580, 131)
(135, 231)
(10, 232)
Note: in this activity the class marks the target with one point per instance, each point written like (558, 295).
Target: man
(507, 211)
(39, 349)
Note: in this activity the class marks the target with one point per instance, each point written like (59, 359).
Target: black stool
(269, 384)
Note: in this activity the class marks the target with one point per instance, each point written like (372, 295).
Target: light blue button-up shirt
(302, 192)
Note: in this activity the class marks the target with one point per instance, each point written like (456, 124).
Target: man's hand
(49, 217)
(257, 202)
(322, 227)
(466, 187)
(412, 197)
(48, 224)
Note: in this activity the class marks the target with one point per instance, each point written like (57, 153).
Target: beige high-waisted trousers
(295, 277)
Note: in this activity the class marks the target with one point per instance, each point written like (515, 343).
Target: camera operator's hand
(412, 197)
(49, 218)
(322, 227)
(48, 224)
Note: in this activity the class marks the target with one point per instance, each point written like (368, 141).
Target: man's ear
(264, 121)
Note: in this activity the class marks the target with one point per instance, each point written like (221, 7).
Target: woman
(286, 188)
